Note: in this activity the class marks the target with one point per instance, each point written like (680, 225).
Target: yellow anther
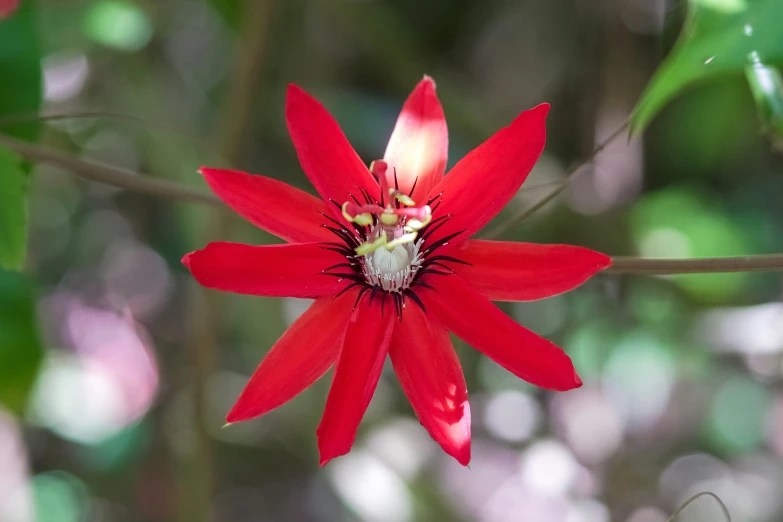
(363, 219)
(404, 199)
(389, 219)
(414, 225)
(371, 246)
(402, 240)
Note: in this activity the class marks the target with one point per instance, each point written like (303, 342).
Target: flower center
(392, 270)
(384, 247)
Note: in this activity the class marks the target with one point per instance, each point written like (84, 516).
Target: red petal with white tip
(431, 377)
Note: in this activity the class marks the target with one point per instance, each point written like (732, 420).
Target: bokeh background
(138, 365)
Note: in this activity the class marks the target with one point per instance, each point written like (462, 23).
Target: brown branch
(637, 265)
(113, 176)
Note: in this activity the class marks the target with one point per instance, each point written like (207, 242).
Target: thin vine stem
(695, 497)
(642, 266)
(146, 184)
(525, 213)
(109, 175)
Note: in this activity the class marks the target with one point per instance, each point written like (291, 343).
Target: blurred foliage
(13, 211)
(117, 24)
(717, 39)
(766, 85)
(126, 413)
(20, 68)
(684, 223)
(20, 349)
(20, 93)
(230, 10)
(737, 418)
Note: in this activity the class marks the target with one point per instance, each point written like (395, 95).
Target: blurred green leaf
(737, 417)
(20, 70)
(120, 25)
(59, 497)
(718, 38)
(20, 349)
(683, 223)
(13, 211)
(766, 85)
(20, 93)
(230, 10)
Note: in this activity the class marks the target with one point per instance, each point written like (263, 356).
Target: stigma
(394, 222)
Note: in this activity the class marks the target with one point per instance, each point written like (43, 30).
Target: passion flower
(386, 254)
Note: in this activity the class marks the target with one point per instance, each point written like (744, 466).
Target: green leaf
(20, 70)
(718, 38)
(21, 352)
(13, 211)
(20, 94)
(230, 10)
(766, 85)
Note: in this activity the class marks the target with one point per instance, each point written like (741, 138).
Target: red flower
(386, 255)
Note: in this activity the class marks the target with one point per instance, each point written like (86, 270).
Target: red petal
(299, 358)
(355, 378)
(484, 326)
(272, 205)
(509, 271)
(272, 270)
(431, 376)
(481, 184)
(326, 157)
(419, 144)
(7, 7)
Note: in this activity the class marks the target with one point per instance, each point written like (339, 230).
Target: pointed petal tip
(186, 259)
(294, 96)
(463, 457)
(293, 90)
(232, 417)
(210, 172)
(326, 455)
(543, 109)
(226, 425)
(428, 81)
(238, 413)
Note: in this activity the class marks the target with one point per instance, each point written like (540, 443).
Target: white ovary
(390, 261)
(393, 270)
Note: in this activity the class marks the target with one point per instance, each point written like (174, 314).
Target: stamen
(383, 243)
(403, 239)
(389, 219)
(356, 214)
(403, 198)
(371, 246)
